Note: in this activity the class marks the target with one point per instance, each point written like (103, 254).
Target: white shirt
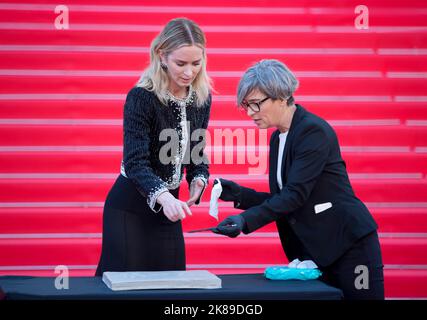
(282, 144)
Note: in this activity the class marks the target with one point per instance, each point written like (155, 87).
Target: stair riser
(210, 19)
(51, 135)
(109, 162)
(89, 220)
(224, 86)
(218, 250)
(237, 3)
(83, 109)
(221, 39)
(217, 62)
(95, 190)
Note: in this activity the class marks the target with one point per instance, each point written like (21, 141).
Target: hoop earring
(163, 66)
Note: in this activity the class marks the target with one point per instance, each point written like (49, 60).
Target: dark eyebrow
(182, 61)
(254, 100)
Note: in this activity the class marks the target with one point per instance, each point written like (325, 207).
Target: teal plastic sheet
(286, 273)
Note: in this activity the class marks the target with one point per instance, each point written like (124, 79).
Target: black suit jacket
(313, 173)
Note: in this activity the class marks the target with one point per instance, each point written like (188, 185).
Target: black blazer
(313, 173)
(145, 119)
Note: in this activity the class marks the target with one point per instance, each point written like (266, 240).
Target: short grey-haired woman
(311, 200)
(142, 215)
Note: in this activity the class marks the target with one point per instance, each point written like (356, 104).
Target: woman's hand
(174, 209)
(196, 189)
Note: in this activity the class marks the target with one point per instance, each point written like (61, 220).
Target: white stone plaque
(193, 279)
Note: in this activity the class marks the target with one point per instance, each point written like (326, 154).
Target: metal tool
(204, 229)
(213, 229)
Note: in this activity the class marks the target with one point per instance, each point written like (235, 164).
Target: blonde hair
(177, 33)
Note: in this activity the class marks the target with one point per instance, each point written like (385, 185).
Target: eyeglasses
(254, 106)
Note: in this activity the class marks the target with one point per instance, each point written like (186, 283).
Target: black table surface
(234, 287)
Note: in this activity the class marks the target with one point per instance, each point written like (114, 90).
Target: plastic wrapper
(286, 273)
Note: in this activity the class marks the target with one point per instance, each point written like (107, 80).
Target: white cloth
(306, 264)
(282, 143)
(215, 194)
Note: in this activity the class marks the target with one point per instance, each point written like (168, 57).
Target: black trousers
(359, 271)
(135, 238)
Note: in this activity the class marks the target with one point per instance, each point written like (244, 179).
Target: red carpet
(61, 101)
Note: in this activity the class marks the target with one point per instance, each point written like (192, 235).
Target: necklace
(184, 102)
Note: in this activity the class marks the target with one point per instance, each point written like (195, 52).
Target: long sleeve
(137, 126)
(250, 198)
(311, 153)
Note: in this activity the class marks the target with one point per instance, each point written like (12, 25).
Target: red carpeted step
(26, 252)
(367, 110)
(332, 109)
(221, 110)
(199, 250)
(268, 250)
(108, 36)
(405, 283)
(50, 220)
(82, 161)
(66, 162)
(368, 190)
(214, 13)
(400, 220)
(38, 220)
(235, 3)
(95, 190)
(71, 109)
(333, 86)
(89, 135)
(137, 61)
(383, 162)
(98, 134)
(207, 19)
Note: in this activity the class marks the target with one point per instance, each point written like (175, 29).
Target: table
(234, 287)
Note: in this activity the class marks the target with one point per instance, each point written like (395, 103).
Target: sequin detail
(152, 197)
(201, 177)
(186, 102)
(174, 181)
(122, 169)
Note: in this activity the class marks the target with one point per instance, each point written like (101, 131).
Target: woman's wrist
(163, 197)
(204, 181)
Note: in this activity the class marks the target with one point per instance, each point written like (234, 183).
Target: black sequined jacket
(160, 141)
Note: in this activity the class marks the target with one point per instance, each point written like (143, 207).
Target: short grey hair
(271, 77)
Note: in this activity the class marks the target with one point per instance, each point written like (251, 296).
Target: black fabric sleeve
(137, 123)
(250, 198)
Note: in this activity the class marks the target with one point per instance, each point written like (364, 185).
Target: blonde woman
(163, 113)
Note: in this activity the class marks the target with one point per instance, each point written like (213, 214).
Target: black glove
(232, 226)
(230, 190)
